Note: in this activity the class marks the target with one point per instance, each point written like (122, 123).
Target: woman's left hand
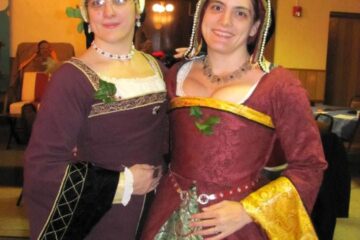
(220, 220)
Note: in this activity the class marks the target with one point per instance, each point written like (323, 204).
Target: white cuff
(128, 189)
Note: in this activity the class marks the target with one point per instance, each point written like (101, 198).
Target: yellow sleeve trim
(278, 209)
(238, 109)
(120, 189)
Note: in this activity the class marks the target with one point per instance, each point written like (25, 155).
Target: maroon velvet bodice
(228, 157)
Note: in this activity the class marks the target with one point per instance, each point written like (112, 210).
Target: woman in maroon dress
(228, 109)
(97, 140)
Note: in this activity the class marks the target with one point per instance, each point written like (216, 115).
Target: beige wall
(35, 20)
(302, 42)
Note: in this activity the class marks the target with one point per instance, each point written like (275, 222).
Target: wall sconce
(162, 14)
(161, 7)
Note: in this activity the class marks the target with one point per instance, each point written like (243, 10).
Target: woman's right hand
(146, 178)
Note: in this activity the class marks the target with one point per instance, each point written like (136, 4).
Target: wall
(313, 81)
(302, 42)
(35, 20)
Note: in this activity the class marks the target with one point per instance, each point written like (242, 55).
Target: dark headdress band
(258, 54)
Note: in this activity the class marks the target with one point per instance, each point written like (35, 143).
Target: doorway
(343, 58)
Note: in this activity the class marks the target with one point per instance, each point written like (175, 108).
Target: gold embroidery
(237, 109)
(89, 73)
(127, 104)
(122, 104)
(278, 208)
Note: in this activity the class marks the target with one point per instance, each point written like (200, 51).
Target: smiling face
(112, 21)
(228, 24)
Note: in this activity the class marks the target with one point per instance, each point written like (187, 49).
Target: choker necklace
(120, 57)
(227, 78)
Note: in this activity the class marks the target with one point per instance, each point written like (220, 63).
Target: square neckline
(185, 69)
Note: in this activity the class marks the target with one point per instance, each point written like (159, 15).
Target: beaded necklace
(227, 78)
(114, 56)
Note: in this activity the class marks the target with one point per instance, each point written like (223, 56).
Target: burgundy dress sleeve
(298, 134)
(62, 113)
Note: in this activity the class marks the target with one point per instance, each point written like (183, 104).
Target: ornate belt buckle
(205, 198)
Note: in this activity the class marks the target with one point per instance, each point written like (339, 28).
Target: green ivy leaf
(208, 132)
(100, 95)
(80, 27)
(195, 112)
(77, 13)
(106, 92)
(109, 88)
(73, 12)
(108, 99)
(204, 128)
(212, 120)
(70, 12)
(201, 126)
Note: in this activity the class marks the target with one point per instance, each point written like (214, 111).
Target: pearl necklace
(227, 78)
(120, 57)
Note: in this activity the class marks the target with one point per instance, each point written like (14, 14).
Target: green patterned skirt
(177, 226)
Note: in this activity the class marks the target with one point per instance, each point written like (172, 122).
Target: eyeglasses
(101, 3)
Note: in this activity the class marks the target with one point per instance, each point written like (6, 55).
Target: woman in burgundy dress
(97, 141)
(228, 108)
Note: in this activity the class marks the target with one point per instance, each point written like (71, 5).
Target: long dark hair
(259, 15)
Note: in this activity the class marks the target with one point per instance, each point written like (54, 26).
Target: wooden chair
(32, 90)
(355, 103)
(24, 62)
(28, 80)
(325, 122)
(352, 137)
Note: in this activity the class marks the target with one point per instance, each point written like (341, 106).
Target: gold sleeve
(278, 209)
(120, 189)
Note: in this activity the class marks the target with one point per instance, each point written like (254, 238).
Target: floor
(14, 224)
(13, 221)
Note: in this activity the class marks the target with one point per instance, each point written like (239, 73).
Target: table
(345, 119)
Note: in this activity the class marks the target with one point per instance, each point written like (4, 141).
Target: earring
(89, 29)
(138, 23)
